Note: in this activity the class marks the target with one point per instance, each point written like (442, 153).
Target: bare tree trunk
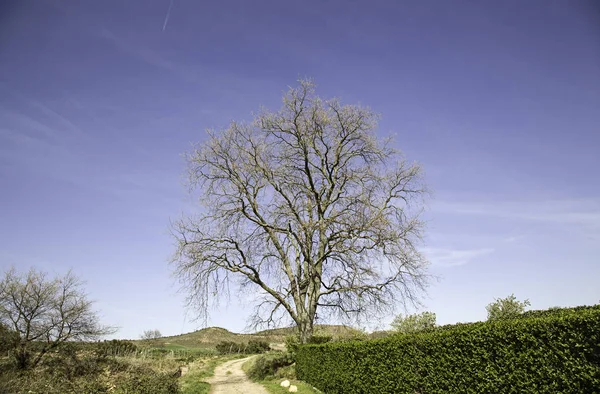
(38, 358)
(305, 330)
(22, 356)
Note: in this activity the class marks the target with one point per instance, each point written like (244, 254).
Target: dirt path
(234, 382)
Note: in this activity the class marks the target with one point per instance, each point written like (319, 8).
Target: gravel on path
(234, 382)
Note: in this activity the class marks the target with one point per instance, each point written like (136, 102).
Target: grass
(193, 381)
(119, 371)
(84, 372)
(248, 364)
(272, 384)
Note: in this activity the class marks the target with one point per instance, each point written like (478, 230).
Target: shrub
(293, 341)
(506, 308)
(70, 370)
(63, 374)
(355, 337)
(268, 364)
(252, 347)
(380, 334)
(414, 323)
(319, 339)
(116, 347)
(58, 374)
(288, 372)
(554, 352)
(257, 347)
(555, 311)
(157, 383)
(227, 347)
(8, 338)
(66, 363)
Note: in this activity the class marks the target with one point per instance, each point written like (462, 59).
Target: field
(544, 351)
(85, 370)
(169, 365)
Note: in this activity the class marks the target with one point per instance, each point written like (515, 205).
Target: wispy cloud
(513, 238)
(454, 257)
(151, 57)
(34, 132)
(581, 213)
(60, 119)
(31, 143)
(218, 80)
(35, 136)
(33, 127)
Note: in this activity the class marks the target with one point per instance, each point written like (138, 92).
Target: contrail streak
(167, 17)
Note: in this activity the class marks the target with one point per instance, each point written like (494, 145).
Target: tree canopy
(508, 307)
(41, 313)
(310, 207)
(414, 323)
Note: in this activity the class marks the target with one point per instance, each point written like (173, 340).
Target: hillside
(209, 337)
(336, 331)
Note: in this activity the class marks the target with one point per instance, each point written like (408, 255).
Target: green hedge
(554, 352)
(252, 347)
(556, 311)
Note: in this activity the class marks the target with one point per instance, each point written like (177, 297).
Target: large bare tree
(45, 312)
(306, 204)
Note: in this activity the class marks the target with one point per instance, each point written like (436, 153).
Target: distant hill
(336, 331)
(209, 337)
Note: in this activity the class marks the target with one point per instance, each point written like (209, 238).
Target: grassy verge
(272, 384)
(248, 364)
(193, 382)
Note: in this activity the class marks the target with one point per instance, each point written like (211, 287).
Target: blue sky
(499, 101)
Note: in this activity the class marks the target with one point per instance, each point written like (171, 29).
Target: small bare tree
(306, 204)
(45, 313)
(151, 335)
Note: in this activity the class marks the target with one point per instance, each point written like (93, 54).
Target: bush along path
(229, 378)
